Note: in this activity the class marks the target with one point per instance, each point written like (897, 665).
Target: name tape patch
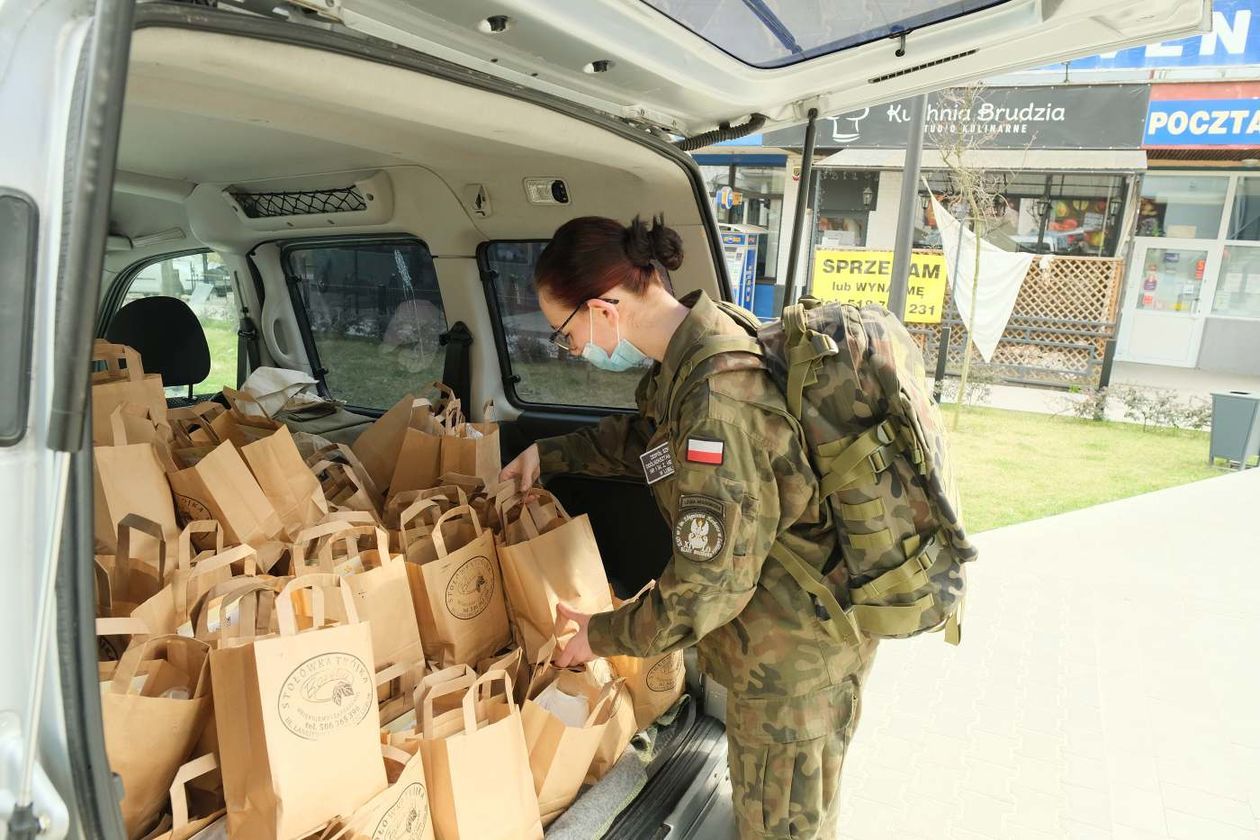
(657, 463)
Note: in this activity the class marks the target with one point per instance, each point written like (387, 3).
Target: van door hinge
(45, 817)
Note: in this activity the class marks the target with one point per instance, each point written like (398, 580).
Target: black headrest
(168, 337)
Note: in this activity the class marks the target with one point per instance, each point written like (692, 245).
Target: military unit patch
(700, 530)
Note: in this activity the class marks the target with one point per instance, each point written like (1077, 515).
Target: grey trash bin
(1235, 428)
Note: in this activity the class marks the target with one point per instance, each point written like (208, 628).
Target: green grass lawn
(1015, 466)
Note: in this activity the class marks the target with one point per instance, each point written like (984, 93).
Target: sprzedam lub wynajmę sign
(862, 277)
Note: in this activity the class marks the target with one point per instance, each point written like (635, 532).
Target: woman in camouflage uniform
(731, 474)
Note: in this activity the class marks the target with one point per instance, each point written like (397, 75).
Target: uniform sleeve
(610, 448)
(728, 516)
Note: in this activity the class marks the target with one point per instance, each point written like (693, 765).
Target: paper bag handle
(465, 511)
(412, 513)
(184, 553)
(473, 698)
(117, 428)
(236, 398)
(315, 582)
(464, 683)
(130, 626)
(541, 667)
(104, 590)
(243, 552)
(124, 678)
(349, 535)
(230, 592)
(179, 797)
(122, 560)
(104, 351)
(607, 695)
(311, 535)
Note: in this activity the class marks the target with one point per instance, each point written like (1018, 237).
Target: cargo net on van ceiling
(270, 204)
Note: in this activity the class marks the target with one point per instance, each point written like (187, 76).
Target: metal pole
(897, 289)
(942, 360)
(802, 196)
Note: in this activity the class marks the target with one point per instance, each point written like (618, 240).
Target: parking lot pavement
(1107, 685)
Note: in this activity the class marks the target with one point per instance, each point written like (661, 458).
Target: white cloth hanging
(1001, 275)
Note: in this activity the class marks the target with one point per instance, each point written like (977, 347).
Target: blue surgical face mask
(624, 356)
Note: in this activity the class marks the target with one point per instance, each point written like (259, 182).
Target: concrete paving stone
(1127, 700)
(1208, 805)
(1076, 830)
(987, 778)
(1189, 827)
(1138, 808)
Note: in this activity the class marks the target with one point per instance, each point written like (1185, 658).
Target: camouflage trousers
(785, 776)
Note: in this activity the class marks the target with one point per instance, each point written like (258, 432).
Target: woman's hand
(524, 469)
(578, 650)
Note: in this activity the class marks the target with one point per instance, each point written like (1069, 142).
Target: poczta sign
(861, 277)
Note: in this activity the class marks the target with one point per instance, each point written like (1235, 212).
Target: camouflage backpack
(854, 379)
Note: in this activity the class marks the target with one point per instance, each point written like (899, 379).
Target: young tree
(975, 193)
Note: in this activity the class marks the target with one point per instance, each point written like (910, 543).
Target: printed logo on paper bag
(325, 694)
(664, 675)
(407, 817)
(470, 588)
(189, 509)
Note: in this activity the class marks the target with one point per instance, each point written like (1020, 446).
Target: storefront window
(1245, 221)
(757, 205)
(1046, 213)
(843, 203)
(1238, 289)
(1182, 207)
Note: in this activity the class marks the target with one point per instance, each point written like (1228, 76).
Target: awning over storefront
(1040, 160)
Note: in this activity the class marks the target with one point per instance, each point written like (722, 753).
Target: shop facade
(1164, 177)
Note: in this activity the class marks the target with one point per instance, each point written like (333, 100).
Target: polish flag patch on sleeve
(704, 451)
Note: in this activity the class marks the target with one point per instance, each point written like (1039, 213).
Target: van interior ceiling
(209, 116)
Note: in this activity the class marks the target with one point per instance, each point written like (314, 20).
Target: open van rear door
(689, 65)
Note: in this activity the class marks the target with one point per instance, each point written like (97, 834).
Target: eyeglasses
(558, 337)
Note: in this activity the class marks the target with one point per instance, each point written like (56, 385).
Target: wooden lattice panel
(1058, 331)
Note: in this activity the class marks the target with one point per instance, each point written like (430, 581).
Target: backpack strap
(805, 350)
(713, 346)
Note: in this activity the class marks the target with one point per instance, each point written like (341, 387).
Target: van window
(539, 372)
(375, 315)
(203, 282)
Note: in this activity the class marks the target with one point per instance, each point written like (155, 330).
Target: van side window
(540, 373)
(203, 282)
(375, 314)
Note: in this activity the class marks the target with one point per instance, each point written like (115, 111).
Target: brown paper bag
(401, 811)
(291, 487)
(378, 446)
(654, 683)
(245, 421)
(557, 562)
(297, 721)
(448, 495)
(473, 449)
(131, 479)
(221, 487)
(345, 480)
(621, 727)
(240, 608)
(122, 380)
(477, 764)
(131, 423)
(170, 610)
(560, 754)
(419, 463)
(512, 663)
(153, 708)
(455, 584)
(130, 582)
(382, 597)
(206, 807)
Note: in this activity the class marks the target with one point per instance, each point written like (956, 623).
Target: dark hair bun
(658, 242)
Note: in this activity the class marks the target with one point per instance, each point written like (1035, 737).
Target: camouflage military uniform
(740, 480)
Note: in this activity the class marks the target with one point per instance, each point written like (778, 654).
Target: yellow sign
(861, 277)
